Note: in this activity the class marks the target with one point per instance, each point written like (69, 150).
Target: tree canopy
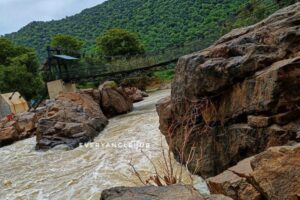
(159, 23)
(19, 70)
(67, 42)
(117, 42)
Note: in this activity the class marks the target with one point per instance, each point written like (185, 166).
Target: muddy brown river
(84, 172)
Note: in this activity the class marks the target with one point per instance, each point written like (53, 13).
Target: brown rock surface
(22, 126)
(70, 119)
(233, 182)
(252, 71)
(258, 121)
(114, 101)
(273, 175)
(153, 193)
(163, 108)
(276, 173)
(8, 135)
(134, 94)
(26, 121)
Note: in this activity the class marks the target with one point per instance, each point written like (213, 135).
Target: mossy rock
(109, 84)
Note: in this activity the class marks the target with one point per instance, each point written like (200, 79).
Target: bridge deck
(123, 65)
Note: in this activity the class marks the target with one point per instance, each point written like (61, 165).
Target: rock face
(8, 135)
(114, 101)
(273, 175)
(134, 94)
(20, 127)
(233, 182)
(70, 119)
(238, 97)
(153, 193)
(276, 173)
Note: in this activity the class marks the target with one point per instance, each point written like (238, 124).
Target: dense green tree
(159, 23)
(117, 42)
(19, 70)
(67, 42)
(253, 11)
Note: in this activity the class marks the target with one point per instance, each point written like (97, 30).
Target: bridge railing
(122, 64)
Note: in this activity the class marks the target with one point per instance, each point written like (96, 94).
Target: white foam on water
(84, 172)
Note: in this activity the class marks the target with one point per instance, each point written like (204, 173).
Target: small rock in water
(7, 183)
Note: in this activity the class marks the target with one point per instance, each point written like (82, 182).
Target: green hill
(159, 23)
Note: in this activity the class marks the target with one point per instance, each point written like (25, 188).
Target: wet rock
(151, 193)
(238, 97)
(94, 93)
(114, 101)
(71, 119)
(26, 121)
(108, 84)
(134, 94)
(144, 94)
(286, 117)
(273, 174)
(233, 182)
(8, 135)
(163, 108)
(276, 173)
(21, 127)
(258, 121)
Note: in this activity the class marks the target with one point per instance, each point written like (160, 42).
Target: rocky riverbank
(70, 118)
(236, 99)
(84, 172)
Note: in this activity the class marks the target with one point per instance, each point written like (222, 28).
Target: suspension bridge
(69, 68)
(58, 65)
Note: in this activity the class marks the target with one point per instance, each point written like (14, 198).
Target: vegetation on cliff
(159, 23)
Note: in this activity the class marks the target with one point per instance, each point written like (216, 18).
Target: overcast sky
(14, 14)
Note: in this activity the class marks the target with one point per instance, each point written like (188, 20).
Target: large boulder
(273, 175)
(8, 135)
(233, 182)
(238, 97)
(70, 119)
(152, 193)
(23, 125)
(27, 124)
(114, 101)
(134, 94)
(276, 173)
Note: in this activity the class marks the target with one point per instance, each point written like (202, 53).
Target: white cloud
(14, 14)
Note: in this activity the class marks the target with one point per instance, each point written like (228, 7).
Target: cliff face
(237, 97)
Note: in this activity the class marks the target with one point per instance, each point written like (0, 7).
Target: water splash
(84, 172)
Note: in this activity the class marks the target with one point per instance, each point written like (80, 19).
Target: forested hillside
(159, 23)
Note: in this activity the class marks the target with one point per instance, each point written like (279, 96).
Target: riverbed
(84, 172)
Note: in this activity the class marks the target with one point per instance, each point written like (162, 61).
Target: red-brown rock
(8, 135)
(114, 101)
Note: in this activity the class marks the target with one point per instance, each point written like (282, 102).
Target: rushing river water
(84, 172)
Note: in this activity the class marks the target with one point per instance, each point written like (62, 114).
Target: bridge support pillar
(57, 86)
